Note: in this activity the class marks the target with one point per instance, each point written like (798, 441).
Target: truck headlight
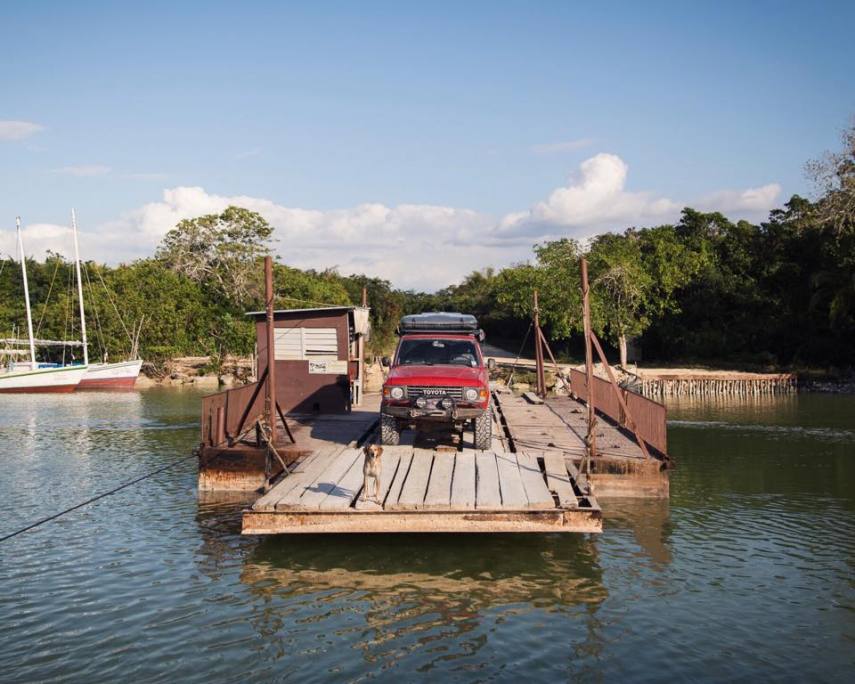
(397, 393)
(471, 394)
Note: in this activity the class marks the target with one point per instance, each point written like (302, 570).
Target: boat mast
(26, 294)
(79, 290)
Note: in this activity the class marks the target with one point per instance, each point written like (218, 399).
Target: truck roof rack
(440, 321)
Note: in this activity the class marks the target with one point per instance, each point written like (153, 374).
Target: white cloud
(18, 130)
(743, 202)
(413, 245)
(38, 238)
(83, 170)
(563, 146)
(596, 200)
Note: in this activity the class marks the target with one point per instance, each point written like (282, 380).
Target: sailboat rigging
(21, 377)
(109, 376)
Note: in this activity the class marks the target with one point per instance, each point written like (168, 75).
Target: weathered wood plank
(463, 482)
(415, 486)
(326, 482)
(390, 459)
(268, 501)
(305, 479)
(558, 480)
(340, 522)
(400, 477)
(439, 488)
(488, 494)
(497, 440)
(347, 488)
(304, 474)
(532, 479)
(580, 478)
(510, 482)
(532, 397)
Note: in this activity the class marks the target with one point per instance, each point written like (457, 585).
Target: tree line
(703, 289)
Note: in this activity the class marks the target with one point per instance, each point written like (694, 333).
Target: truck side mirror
(385, 362)
(491, 364)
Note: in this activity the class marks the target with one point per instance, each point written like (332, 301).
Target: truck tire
(390, 433)
(483, 428)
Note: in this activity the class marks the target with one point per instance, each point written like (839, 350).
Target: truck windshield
(437, 352)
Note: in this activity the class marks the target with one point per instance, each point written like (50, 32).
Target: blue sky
(453, 132)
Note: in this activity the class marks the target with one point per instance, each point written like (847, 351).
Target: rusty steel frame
(625, 417)
(630, 421)
(591, 437)
(538, 350)
(650, 415)
(216, 408)
(270, 400)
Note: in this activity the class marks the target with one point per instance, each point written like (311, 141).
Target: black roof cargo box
(441, 321)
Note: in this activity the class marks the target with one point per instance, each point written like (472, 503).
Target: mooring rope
(122, 486)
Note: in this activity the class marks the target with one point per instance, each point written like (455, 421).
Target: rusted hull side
(232, 469)
(240, 468)
(630, 478)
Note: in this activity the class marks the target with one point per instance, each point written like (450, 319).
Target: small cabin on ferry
(319, 357)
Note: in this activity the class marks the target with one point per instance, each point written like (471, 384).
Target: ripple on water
(746, 572)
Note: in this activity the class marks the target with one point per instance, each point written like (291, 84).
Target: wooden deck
(428, 490)
(241, 467)
(557, 428)
(560, 424)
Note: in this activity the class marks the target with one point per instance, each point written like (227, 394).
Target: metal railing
(650, 416)
(226, 414)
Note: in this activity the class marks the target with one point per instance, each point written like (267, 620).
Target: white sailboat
(25, 377)
(101, 376)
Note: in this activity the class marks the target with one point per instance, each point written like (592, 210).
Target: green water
(745, 574)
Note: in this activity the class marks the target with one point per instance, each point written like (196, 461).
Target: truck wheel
(483, 431)
(390, 433)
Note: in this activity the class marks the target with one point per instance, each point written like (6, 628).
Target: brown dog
(371, 469)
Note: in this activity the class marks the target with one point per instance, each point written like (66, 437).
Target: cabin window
(300, 344)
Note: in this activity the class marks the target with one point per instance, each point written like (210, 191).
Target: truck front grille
(433, 392)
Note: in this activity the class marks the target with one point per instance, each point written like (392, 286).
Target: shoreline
(233, 371)
(699, 381)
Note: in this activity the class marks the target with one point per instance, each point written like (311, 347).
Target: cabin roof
(328, 309)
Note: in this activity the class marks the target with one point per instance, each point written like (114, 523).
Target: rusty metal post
(538, 351)
(360, 355)
(270, 400)
(591, 437)
(220, 423)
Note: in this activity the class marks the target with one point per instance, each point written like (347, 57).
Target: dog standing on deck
(371, 473)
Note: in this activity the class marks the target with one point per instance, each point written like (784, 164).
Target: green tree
(555, 276)
(621, 288)
(219, 251)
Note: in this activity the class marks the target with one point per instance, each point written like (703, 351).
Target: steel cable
(122, 486)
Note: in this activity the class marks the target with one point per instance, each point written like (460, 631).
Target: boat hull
(111, 376)
(42, 380)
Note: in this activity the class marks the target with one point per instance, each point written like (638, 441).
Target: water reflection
(410, 591)
(649, 522)
(433, 598)
(748, 568)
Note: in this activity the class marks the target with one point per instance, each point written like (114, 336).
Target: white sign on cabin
(300, 344)
(327, 367)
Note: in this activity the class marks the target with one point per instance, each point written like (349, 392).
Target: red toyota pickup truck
(437, 377)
